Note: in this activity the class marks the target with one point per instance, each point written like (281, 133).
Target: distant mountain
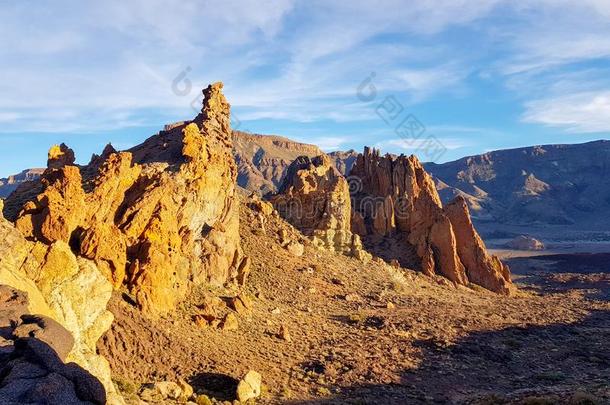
(550, 184)
(262, 160)
(9, 184)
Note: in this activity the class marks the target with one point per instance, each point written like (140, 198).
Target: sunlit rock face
(157, 218)
(395, 195)
(314, 197)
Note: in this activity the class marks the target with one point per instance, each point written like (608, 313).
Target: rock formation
(397, 196)
(344, 160)
(63, 287)
(315, 198)
(157, 218)
(33, 351)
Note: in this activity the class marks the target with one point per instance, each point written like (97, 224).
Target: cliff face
(395, 196)
(156, 218)
(262, 160)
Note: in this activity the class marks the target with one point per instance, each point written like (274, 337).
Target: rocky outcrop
(397, 196)
(481, 268)
(315, 198)
(157, 218)
(33, 354)
(63, 287)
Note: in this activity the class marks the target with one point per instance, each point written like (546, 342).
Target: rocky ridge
(396, 197)
(563, 185)
(10, 183)
(262, 160)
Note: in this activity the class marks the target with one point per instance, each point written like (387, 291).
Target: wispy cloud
(582, 112)
(78, 67)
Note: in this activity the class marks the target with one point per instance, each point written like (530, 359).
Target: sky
(439, 78)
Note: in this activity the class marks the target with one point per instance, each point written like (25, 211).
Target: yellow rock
(249, 387)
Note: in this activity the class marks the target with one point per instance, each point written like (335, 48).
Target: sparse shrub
(286, 392)
(491, 399)
(203, 400)
(125, 386)
(551, 376)
(584, 398)
(539, 400)
(513, 343)
(356, 318)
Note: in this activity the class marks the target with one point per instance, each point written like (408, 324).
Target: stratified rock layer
(315, 198)
(262, 160)
(157, 218)
(397, 196)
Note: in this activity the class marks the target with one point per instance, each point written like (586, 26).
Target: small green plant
(356, 318)
(584, 398)
(125, 386)
(513, 343)
(539, 400)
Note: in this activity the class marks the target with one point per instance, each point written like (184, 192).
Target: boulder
(229, 322)
(168, 389)
(295, 248)
(249, 387)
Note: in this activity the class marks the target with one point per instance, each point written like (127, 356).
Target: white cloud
(329, 143)
(77, 61)
(76, 66)
(582, 113)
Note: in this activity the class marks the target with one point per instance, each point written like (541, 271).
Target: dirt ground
(438, 344)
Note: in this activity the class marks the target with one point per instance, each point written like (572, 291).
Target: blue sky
(462, 76)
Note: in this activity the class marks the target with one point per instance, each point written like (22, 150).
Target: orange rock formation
(396, 195)
(157, 218)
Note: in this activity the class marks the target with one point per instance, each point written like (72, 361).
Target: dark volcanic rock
(32, 353)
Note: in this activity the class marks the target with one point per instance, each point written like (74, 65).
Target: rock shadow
(219, 386)
(552, 364)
